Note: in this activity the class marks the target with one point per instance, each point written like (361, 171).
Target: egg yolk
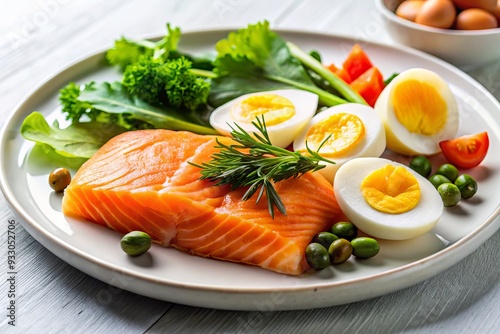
(391, 189)
(276, 109)
(338, 133)
(419, 107)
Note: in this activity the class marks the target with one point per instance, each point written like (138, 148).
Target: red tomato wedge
(466, 151)
(357, 62)
(340, 72)
(369, 85)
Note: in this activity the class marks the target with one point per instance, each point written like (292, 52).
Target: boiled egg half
(285, 113)
(418, 110)
(386, 199)
(341, 133)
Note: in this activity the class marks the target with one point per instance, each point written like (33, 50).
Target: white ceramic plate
(174, 276)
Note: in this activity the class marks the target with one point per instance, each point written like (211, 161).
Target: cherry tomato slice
(369, 85)
(340, 72)
(466, 151)
(357, 62)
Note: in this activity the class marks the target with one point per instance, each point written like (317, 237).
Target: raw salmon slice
(141, 180)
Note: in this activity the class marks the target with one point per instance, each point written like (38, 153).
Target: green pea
(450, 194)
(438, 179)
(421, 165)
(325, 238)
(346, 230)
(467, 185)
(364, 247)
(449, 171)
(317, 256)
(340, 250)
(135, 243)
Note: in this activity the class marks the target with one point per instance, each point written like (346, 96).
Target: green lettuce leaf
(127, 51)
(79, 140)
(47, 155)
(257, 47)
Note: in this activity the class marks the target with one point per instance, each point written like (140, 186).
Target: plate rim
(484, 231)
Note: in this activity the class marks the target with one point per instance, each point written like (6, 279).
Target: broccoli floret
(169, 83)
(160, 75)
(146, 80)
(183, 88)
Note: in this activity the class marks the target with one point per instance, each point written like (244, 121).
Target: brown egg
(475, 19)
(409, 9)
(488, 5)
(437, 13)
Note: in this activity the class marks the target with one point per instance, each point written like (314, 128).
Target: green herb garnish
(255, 163)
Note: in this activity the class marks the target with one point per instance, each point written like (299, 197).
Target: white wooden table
(39, 38)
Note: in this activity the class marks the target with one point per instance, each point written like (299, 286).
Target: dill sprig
(257, 164)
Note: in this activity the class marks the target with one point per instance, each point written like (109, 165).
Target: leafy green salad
(164, 88)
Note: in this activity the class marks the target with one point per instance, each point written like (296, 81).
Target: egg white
(407, 142)
(282, 134)
(372, 144)
(421, 219)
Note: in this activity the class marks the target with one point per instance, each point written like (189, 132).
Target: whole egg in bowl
(285, 113)
(418, 110)
(386, 199)
(342, 133)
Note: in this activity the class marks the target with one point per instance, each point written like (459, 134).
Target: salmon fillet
(141, 180)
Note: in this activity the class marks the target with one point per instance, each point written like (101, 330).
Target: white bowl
(465, 49)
